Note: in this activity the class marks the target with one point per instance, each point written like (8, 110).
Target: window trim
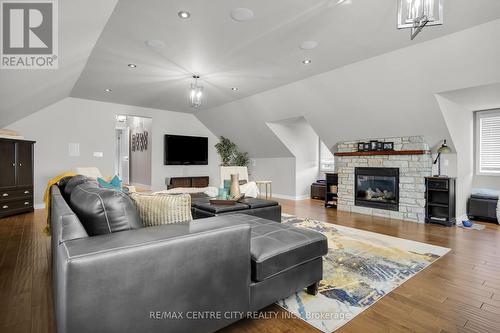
(477, 137)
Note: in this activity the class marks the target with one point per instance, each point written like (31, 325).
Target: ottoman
(284, 260)
(266, 209)
(482, 204)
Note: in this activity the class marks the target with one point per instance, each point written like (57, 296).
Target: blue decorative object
(227, 183)
(115, 183)
(467, 223)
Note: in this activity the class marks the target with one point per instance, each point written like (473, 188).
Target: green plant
(230, 155)
(225, 149)
(241, 159)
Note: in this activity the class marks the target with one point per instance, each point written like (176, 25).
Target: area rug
(360, 268)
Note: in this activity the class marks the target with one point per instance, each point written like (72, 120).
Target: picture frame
(366, 146)
(361, 146)
(388, 146)
(373, 145)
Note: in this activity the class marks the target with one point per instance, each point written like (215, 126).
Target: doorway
(133, 150)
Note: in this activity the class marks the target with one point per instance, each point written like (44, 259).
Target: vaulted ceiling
(385, 96)
(23, 92)
(363, 68)
(253, 56)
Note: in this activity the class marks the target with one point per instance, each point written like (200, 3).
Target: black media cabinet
(332, 183)
(440, 200)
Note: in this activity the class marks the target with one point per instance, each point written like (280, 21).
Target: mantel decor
(375, 145)
(383, 152)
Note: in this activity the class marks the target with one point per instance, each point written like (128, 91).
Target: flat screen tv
(186, 150)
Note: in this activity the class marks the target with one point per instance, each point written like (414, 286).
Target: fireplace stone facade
(412, 172)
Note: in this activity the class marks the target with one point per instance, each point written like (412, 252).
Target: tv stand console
(174, 182)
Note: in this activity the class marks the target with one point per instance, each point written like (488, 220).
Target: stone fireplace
(390, 185)
(377, 188)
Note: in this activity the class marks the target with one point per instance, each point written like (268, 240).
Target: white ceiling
(385, 96)
(23, 92)
(254, 56)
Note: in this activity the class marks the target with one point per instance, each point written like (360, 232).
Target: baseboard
(290, 197)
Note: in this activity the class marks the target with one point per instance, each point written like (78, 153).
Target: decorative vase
(234, 190)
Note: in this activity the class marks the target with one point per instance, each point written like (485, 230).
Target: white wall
(460, 124)
(486, 182)
(459, 107)
(92, 125)
(299, 137)
(280, 170)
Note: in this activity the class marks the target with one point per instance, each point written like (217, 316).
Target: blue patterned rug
(360, 268)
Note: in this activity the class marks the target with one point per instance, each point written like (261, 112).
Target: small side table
(268, 184)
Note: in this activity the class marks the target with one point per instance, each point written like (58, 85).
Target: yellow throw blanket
(46, 196)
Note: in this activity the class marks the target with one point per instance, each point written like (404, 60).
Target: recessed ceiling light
(235, 89)
(155, 43)
(306, 61)
(242, 14)
(108, 90)
(183, 14)
(309, 45)
(132, 65)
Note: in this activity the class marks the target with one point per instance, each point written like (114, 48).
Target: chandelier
(416, 14)
(196, 93)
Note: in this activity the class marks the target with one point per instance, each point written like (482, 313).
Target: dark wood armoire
(16, 176)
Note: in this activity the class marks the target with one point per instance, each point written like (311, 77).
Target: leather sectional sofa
(136, 279)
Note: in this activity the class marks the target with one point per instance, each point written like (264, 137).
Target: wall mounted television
(185, 150)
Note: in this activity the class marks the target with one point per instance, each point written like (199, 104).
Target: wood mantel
(383, 152)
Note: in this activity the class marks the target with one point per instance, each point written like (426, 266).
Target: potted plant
(241, 159)
(225, 148)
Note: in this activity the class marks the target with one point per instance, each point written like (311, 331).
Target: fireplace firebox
(377, 188)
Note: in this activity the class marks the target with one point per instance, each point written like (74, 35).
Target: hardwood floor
(458, 293)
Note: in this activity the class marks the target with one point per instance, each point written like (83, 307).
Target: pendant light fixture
(196, 93)
(417, 14)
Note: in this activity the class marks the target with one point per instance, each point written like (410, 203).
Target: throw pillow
(157, 209)
(102, 210)
(71, 184)
(115, 183)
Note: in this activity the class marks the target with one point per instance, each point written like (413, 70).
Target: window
(488, 142)
(326, 158)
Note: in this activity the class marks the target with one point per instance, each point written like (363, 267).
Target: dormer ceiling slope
(23, 92)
